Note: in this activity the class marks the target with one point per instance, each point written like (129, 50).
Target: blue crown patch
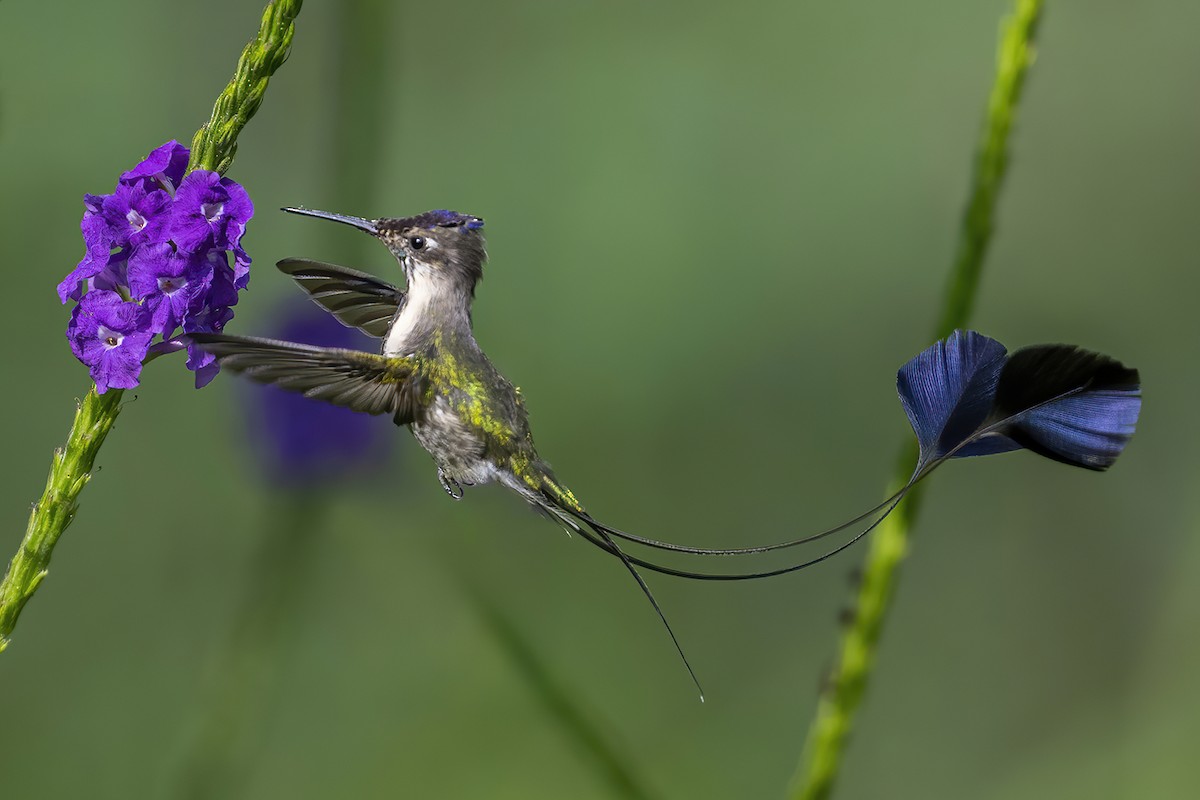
(440, 218)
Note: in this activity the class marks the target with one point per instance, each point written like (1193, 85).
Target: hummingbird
(964, 395)
(430, 374)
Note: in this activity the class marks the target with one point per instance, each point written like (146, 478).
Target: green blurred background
(716, 230)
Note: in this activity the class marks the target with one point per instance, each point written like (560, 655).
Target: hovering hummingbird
(964, 396)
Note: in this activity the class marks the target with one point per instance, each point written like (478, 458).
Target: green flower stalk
(843, 692)
(70, 471)
(230, 725)
(215, 144)
(213, 150)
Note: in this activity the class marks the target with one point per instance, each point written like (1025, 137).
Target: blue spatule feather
(965, 397)
(1068, 404)
(948, 391)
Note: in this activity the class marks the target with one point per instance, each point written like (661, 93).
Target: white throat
(429, 303)
(419, 301)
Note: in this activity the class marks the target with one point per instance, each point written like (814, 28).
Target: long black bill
(354, 222)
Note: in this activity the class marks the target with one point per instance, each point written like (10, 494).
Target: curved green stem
(70, 471)
(558, 700)
(212, 148)
(843, 692)
(235, 710)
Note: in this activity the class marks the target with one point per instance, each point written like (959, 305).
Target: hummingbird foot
(452, 487)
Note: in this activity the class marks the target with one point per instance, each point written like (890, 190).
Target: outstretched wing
(357, 299)
(352, 379)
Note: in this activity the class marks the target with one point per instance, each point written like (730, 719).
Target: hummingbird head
(444, 249)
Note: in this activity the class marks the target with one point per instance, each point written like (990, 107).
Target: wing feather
(357, 299)
(372, 384)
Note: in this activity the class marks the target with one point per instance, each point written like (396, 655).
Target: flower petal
(109, 335)
(168, 160)
(98, 240)
(190, 226)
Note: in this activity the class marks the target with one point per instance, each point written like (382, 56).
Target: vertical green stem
(1013, 59)
(840, 699)
(237, 706)
(213, 148)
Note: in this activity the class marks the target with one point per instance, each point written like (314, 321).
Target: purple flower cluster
(157, 262)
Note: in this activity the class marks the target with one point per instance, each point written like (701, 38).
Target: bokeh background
(716, 231)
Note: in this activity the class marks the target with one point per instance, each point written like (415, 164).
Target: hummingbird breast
(474, 420)
(455, 445)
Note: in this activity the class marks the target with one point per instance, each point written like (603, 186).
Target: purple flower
(241, 267)
(114, 277)
(213, 211)
(171, 284)
(109, 335)
(162, 238)
(98, 240)
(211, 320)
(162, 168)
(135, 216)
(224, 290)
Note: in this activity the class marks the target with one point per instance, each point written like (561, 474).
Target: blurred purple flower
(162, 239)
(308, 443)
(108, 335)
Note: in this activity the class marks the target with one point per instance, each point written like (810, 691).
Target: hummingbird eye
(417, 242)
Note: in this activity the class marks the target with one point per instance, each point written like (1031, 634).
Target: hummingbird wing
(357, 299)
(352, 379)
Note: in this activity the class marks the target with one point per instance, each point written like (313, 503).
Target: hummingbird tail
(966, 396)
(879, 511)
(600, 533)
(560, 505)
(612, 547)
